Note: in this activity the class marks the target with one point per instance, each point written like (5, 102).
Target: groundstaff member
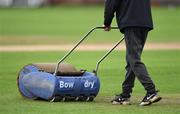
(134, 21)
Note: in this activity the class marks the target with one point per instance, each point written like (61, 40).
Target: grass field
(163, 66)
(66, 24)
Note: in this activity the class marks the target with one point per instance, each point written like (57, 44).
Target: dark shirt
(129, 13)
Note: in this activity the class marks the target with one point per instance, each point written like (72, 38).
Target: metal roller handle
(77, 44)
(98, 63)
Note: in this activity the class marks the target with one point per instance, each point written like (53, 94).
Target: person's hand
(107, 28)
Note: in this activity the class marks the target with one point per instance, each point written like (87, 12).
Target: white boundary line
(88, 47)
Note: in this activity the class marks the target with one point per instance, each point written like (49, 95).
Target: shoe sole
(156, 99)
(145, 103)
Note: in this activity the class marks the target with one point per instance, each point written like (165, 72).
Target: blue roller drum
(35, 83)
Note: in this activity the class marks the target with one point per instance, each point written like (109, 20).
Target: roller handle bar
(76, 45)
(102, 58)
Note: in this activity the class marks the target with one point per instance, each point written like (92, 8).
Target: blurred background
(36, 3)
(31, 22)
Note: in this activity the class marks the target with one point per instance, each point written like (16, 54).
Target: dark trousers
(135, 39)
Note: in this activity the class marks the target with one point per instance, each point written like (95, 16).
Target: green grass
(162, 65)
(67, 24)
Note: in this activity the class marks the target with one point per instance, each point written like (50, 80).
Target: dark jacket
(129, 13)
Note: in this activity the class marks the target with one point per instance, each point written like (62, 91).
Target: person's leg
(135, 39)
(128, 83)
